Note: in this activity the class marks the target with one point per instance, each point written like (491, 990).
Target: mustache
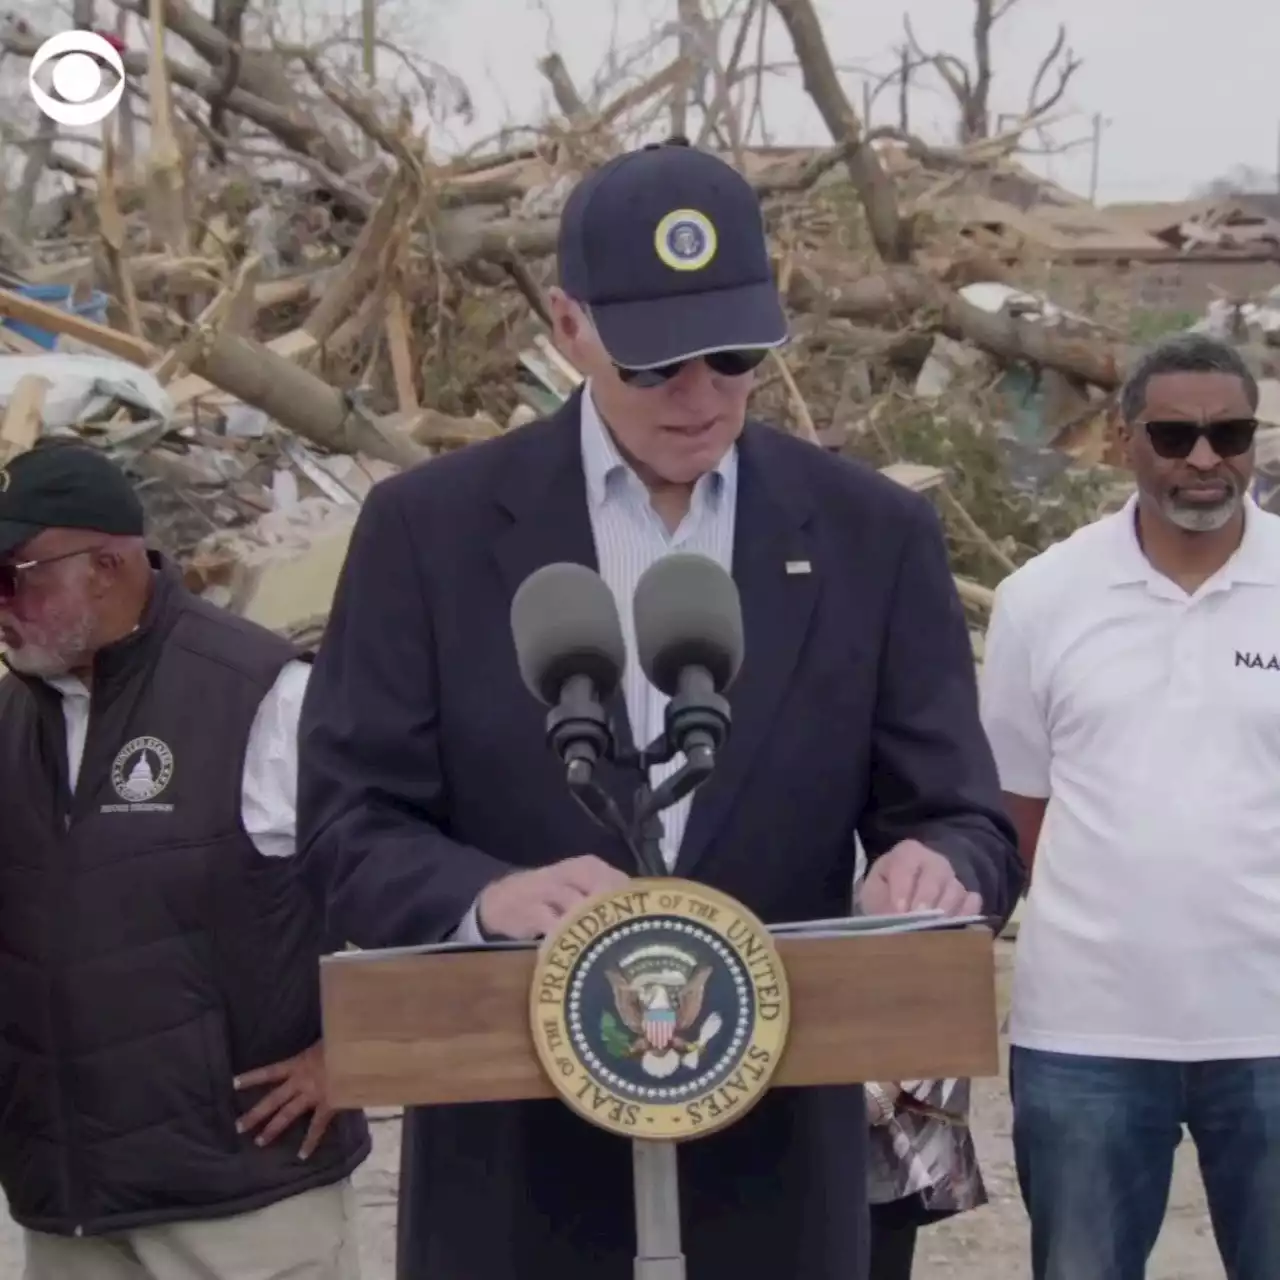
(1225, 478)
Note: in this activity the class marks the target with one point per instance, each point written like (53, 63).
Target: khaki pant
(311, 1236)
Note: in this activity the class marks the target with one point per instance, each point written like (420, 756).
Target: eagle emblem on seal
(658, 994)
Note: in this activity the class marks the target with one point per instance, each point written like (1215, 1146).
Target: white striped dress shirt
(629, 537)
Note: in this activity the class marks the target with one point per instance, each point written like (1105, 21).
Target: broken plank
(69, 325)
(18, 343)
(400, 349)
(914, 475)
(23, 416)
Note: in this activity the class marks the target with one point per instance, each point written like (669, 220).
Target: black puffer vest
(148, 951)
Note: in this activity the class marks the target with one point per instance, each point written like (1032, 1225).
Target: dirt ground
(989, 1244)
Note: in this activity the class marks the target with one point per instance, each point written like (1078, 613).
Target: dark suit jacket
(424, 776)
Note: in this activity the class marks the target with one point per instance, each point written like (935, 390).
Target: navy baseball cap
(665, 247)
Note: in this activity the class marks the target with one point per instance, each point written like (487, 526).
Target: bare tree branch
(565, 92)
(874, 185)
(970, 86)
(1038, 106)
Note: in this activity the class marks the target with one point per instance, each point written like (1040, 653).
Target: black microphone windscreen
(564, 621)
(687, 613)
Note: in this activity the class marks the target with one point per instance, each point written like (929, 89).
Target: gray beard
(58, 655)
(1197, 518)
(1200, 519)
(29, 661)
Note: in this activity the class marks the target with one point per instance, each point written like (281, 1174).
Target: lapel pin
(798, 566)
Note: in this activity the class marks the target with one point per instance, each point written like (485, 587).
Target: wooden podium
(459, 1026)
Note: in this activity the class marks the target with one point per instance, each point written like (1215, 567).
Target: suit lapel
(777, 606)
(543, 494)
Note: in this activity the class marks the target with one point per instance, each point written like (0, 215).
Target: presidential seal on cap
(685, 240)
(660, 1011)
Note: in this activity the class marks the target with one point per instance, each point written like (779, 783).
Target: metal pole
(369, 50)
(657, 1189)
(1095, 158)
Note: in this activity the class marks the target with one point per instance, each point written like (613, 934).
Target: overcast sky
(1187, 89)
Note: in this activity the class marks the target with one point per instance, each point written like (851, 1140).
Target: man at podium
(430, 806)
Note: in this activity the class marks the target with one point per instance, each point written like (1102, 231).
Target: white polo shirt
(1150, 719)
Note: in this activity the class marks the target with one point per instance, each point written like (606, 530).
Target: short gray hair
(1187, 352)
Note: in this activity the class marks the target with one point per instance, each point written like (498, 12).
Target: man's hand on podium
(529, 904)
(912, 877)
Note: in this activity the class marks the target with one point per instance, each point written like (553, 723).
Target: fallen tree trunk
(905, 296)
(301, 402)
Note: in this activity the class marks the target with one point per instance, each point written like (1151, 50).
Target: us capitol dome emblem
(660, 1010)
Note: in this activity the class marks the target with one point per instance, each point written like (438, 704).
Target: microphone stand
(579, 731)
(655, 1171)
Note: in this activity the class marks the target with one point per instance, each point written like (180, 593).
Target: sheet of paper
(913, 922)
(836, 927)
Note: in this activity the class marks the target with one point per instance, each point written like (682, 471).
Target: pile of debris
(259, 349)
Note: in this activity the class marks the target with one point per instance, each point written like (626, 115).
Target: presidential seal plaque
(660, 1011)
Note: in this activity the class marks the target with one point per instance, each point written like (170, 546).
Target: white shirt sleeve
(1012, 709)
(269, 796)
(270, 788)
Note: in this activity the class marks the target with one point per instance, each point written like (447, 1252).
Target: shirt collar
(68, 686)
(1255, 561)
(603, 466)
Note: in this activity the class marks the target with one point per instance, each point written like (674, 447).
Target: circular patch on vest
(141, 770)
(660, 1010)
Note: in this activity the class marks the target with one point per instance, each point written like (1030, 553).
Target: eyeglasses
(1228, 439)
(729, 364)
(11, 574)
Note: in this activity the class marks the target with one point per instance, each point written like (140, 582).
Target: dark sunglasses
(728, 364)
(11, 574)
(1228, 439)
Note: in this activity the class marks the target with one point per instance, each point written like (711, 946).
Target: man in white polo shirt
(1131, 694)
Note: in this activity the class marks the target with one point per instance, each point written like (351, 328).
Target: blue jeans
(1094, 1140)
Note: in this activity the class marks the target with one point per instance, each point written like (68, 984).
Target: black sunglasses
(728, 364)
(1228, 439)
(11, 574)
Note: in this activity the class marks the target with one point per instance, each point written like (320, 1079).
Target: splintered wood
(20, 428)
(165, 163)
(55, 320)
